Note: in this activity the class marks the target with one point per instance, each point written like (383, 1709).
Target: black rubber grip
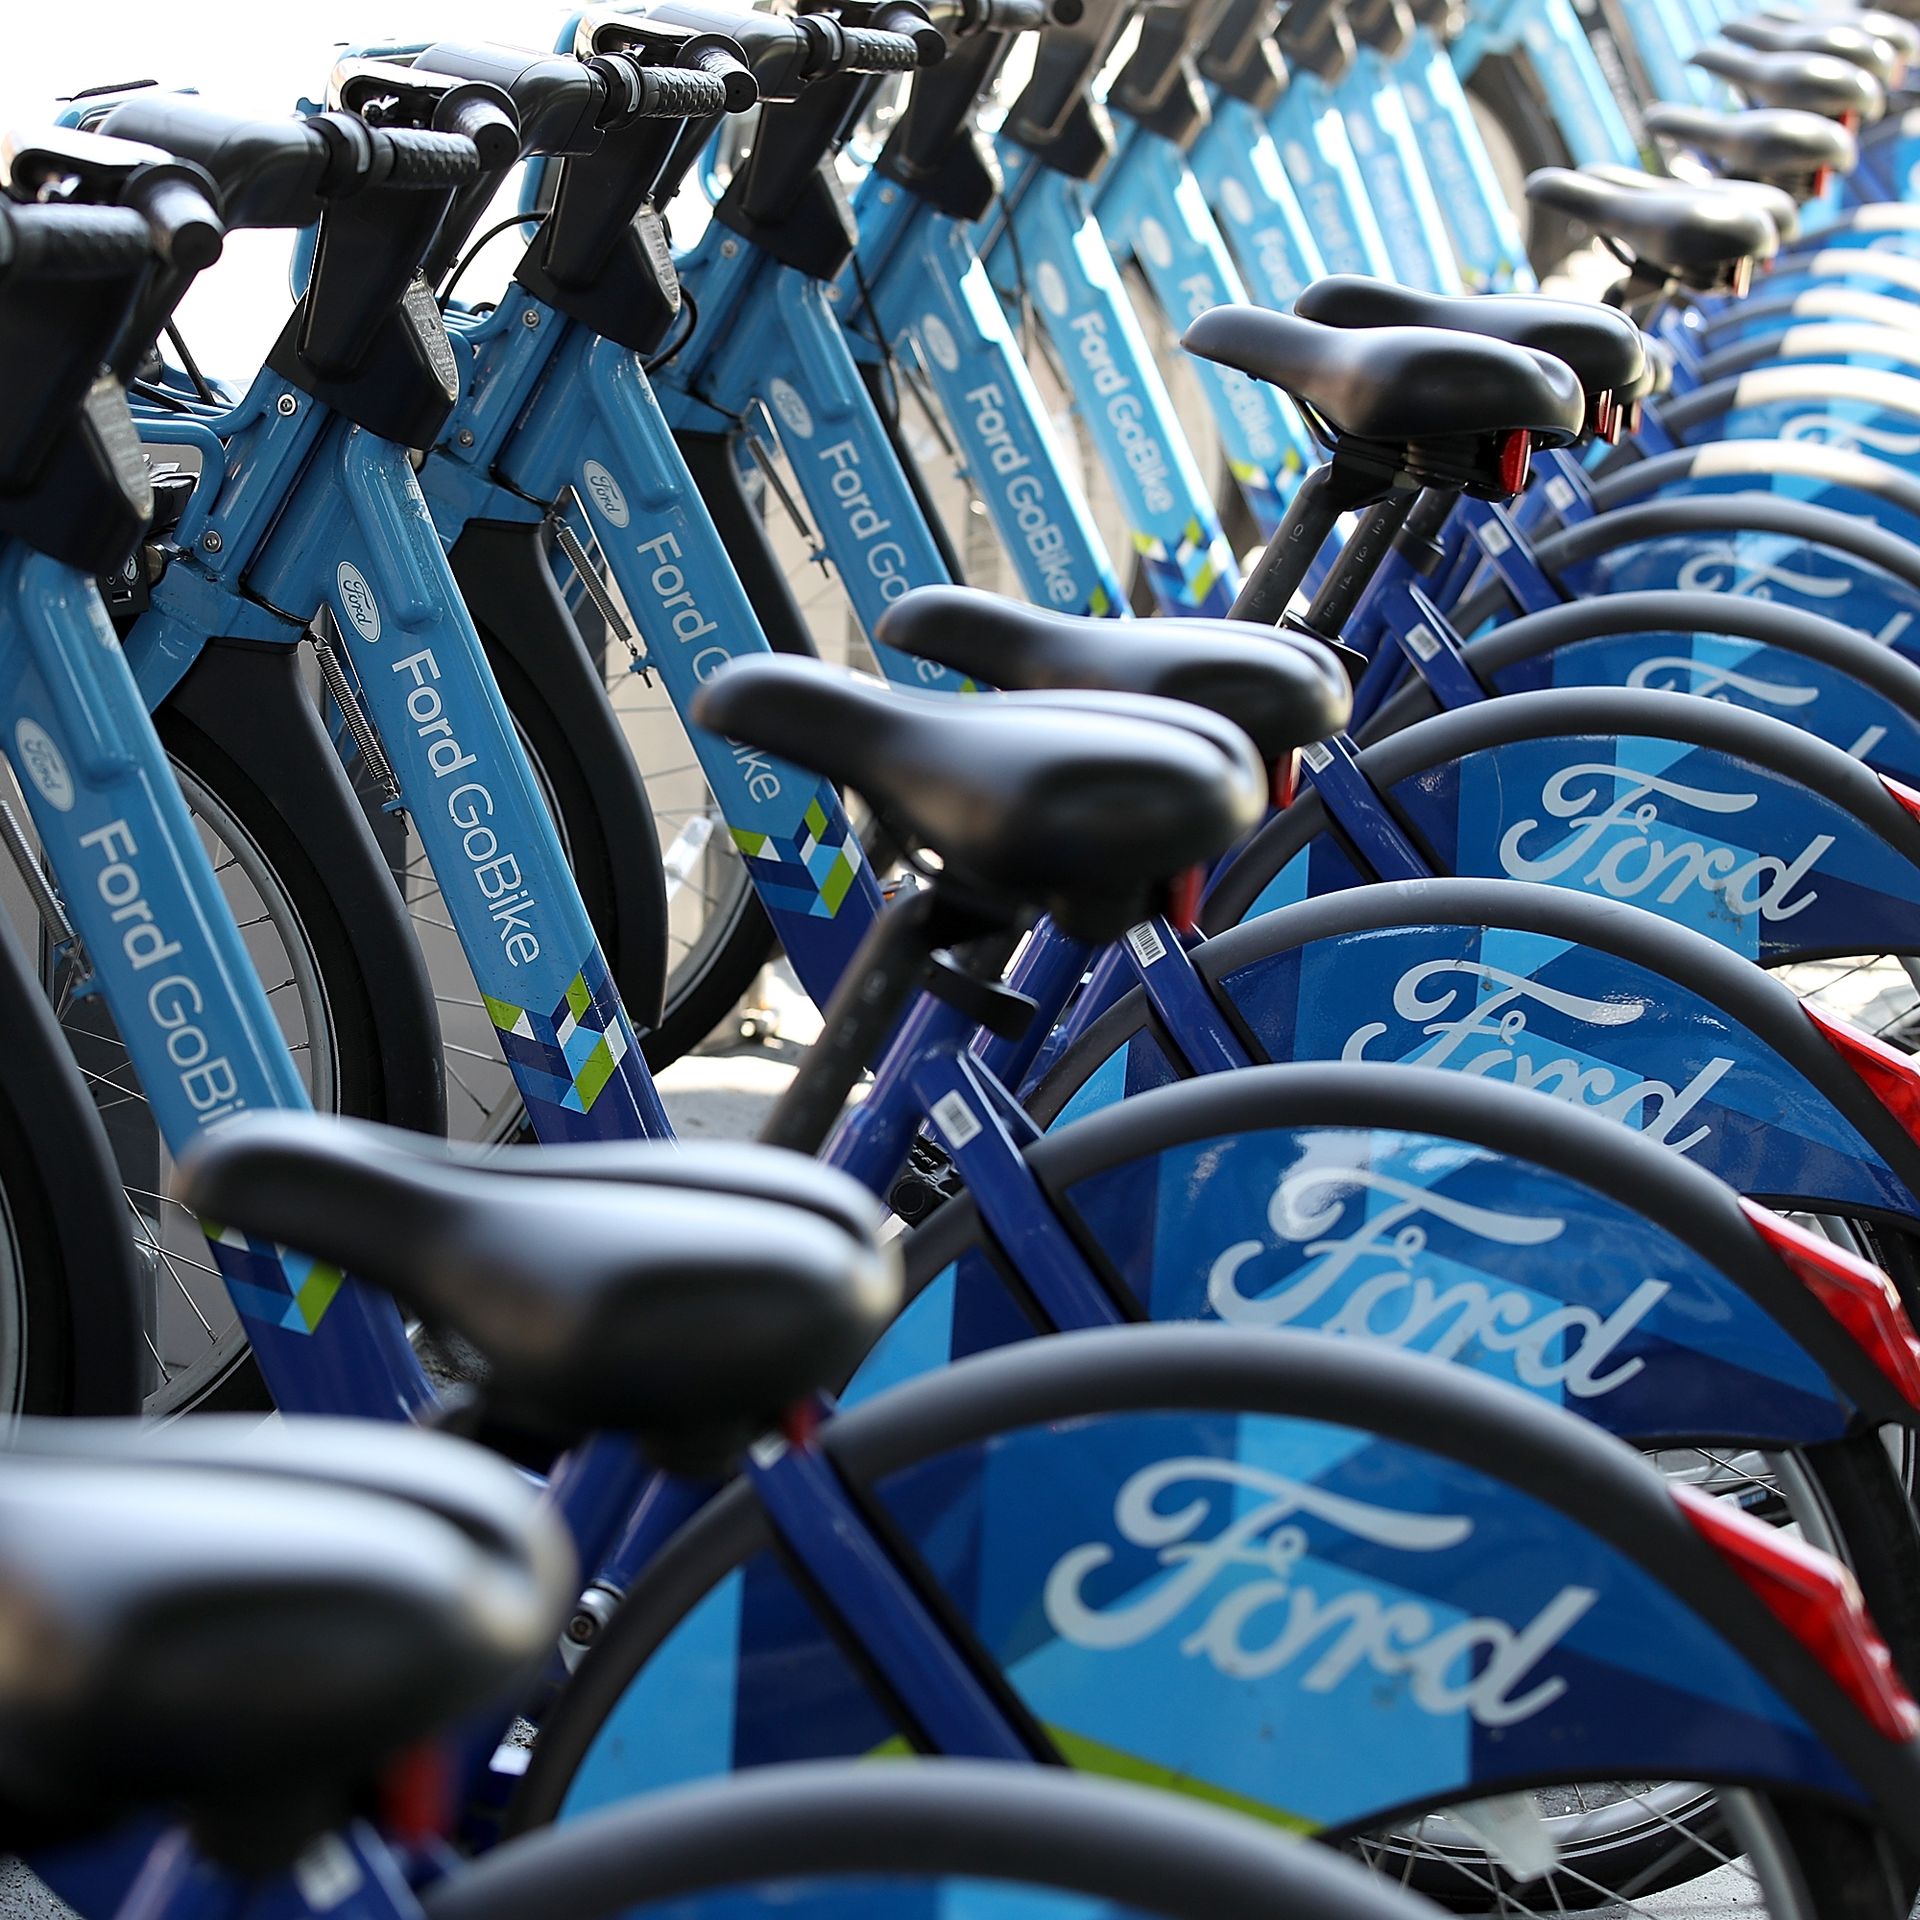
(73, 243)
(743, 90)
(680, 93)
(185, 226)
(870, 52)
(423, 160)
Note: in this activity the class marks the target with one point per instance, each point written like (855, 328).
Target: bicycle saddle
(1698, 235)
(1784, 146)
(1603, 347)
(1398, 385)
(1819, 82)
(1780, 207)
(248, 1623)
(1843, 39)
(693, 1315)
(1088, 806)
(1282, 691)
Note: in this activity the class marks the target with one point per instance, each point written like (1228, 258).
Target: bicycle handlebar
(73, 242)
(684, 93)
(865, 50)
(421, 160)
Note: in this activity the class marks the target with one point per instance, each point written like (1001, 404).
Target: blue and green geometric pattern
(1192, 576)
(272, 1283)
(810, 871)
(565, 1057)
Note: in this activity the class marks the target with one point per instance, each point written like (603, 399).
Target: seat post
(1311, 517)
(1360, 559)
(888, 967)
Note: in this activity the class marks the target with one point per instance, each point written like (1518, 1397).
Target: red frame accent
(1183, 899)
(1516, 460)
(1817, 1600)
(1854, 1291)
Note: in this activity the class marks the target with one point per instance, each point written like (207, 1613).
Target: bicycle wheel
(291, 853)
(69, 1286)
(821, 1840)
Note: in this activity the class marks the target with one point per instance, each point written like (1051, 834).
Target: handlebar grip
(423, 160)
(73, 243)
(743, 90)
(187, 232)
(865, 51)
(680, 93)
(491, 126)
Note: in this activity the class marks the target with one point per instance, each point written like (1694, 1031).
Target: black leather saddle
(1396, 385)
(1702, 236)
(1603, 347)
(688, 1296)
(1817, 82)
(1282, 691)
(1780, 207)
(1089, 806)
(1784, 146)
(1843, 39)
(247, 1623)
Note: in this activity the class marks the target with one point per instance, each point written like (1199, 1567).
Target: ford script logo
(356, 597)
(604, 491)
(44, 765)
(793, 412)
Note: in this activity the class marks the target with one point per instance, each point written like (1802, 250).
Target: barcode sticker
(1421, 639)
(1494, 537)
(955, 1119)
(327, 1873)
(1145, 944)
(1560, 492)
(1317, 756)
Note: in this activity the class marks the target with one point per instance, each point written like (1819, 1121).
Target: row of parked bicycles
(1345, 1257)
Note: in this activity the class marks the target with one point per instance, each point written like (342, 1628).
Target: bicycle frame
(551, 409)
(301, 511)
(930, 296)
(1394, 173)
(1310, 132)
(1150, 206)
(1046, 218)
(168, 960)
(770, 340)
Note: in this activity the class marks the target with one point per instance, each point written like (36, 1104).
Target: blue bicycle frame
(1394, 174)
(1310, 132)
(930, 295)
(1046, 219)
(1150, 206)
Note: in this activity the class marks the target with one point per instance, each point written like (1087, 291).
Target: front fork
(357, 539)
(174, 971)
(1054, 248)
(1151, 206)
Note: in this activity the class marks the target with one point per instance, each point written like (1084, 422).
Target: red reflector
(1516, 460)
(416, 1795)
(1907, 797)
(1742, 279)
(1892, 1077)
(1183, 899)
(1817, 1600)
(1854, 1291)
(801, 1423)
(1286, 779)
(1821, 182)
(1850, 120)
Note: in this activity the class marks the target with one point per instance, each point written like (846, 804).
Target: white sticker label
(44, 764)
(1317, 757)
(1145, 944)
(955, 1119)
(327, 1873)
(1421, 639)
(1495, 538)
(1560, 493)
